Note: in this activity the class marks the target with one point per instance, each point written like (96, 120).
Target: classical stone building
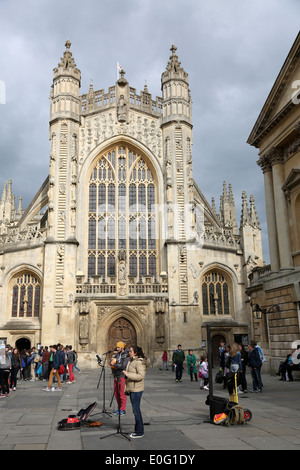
(275, 289)
(119, 242)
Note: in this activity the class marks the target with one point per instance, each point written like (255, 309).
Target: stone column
(270, 212)
(282, 219)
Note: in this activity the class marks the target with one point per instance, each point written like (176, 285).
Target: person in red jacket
(164, 361)
(45, 363)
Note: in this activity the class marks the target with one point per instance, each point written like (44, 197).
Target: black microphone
(108, 352)
(99, 359)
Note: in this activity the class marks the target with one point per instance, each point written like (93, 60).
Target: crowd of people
(232, 358)
(45, 364)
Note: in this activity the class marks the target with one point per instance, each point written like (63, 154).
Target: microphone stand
(119, 428)
(103, 384)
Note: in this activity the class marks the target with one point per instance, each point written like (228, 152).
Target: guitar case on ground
(76, 421)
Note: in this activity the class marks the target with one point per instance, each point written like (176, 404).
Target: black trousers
(13, 376)
(179, 367)
(4, 376)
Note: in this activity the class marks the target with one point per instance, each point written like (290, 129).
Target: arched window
(26, 295)
(215, 294)
(122, 216)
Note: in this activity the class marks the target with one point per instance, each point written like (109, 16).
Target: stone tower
(177, 141)
(61, 244)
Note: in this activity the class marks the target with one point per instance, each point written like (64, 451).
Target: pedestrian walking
(192, 368)
(164, 361)
(57, 362)
(70, 362)
(179, 358)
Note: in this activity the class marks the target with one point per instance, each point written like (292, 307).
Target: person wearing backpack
(254, 363)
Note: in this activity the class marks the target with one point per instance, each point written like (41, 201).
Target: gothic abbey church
(119, 243)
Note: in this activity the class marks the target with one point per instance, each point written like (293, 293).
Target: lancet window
(122, 195)
(26, 296)
(215, 294)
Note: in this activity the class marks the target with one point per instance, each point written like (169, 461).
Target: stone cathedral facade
(120, 242)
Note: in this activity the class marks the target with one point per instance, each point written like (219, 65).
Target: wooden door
(121, 330)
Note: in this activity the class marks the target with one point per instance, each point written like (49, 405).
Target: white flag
(119, 68)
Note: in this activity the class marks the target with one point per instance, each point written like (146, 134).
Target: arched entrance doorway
(215, 343)
(121, 330)
(23, 343)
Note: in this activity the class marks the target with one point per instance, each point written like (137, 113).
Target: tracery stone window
(215, 294)
(26, 295)
(122, 194)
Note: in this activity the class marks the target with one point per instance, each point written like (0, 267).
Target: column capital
(271, 157)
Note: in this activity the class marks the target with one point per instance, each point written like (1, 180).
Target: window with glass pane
(215, 295)
(122, 214)
(25, 296)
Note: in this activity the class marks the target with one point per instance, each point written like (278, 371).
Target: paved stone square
(175, 417)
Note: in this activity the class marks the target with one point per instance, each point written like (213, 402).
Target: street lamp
(257, 312)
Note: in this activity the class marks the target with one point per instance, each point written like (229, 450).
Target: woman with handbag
(191, 361)
(134, 387)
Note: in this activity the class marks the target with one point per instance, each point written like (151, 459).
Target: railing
(95, 100)
(95, 286)
(259, 273)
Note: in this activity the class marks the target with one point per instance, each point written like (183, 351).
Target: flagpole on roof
(119, 68)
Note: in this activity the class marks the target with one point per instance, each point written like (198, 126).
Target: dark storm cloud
(232, 51)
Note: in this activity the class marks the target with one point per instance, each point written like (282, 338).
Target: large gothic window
(26, 296)
(215, 294)
(122, 214)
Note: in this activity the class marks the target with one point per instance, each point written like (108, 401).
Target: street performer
(118, 365)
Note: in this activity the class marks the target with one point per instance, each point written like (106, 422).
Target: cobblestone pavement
(175, 415)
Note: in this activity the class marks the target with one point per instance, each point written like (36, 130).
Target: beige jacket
(136, 370)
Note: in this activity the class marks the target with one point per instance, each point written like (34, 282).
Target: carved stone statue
(160, 328)
(122, 109)
(83, 328)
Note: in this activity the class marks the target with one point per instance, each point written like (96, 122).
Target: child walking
(203, 373)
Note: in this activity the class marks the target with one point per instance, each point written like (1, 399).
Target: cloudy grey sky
(233, 51)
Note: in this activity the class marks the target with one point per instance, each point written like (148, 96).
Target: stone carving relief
(122, 272)
(102, 311)
(160, 307)
(83, 331)
(83, 311)
(122, 109)
(103, 126)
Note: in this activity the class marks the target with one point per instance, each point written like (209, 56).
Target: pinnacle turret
(227, 208)
(245, 214)
(64, 97)
(177, 105)
(7, 204)
(253, 214)
(67, 62)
